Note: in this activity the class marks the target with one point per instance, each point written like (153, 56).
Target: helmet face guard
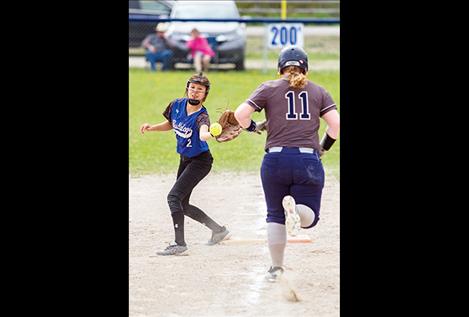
(293, 56)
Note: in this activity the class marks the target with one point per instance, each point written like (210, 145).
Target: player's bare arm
(333, 123)
(332, 131)
(204, 133)
(243, 114)
(163, 126)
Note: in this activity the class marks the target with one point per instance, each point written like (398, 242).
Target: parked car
(154, 8)
(228, 39)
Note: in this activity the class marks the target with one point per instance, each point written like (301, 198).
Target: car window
(133, 4)
(154, 6)
(199, 10)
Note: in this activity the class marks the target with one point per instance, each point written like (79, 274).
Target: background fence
(295, 8)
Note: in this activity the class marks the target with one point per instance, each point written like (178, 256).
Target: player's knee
(174, 203)
(315, 221)
(188, 212)
(307, 216)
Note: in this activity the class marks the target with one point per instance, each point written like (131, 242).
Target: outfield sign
(284, 34)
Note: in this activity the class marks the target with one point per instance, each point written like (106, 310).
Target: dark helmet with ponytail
(293, 56)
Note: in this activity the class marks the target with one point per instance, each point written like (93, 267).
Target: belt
(275, 149)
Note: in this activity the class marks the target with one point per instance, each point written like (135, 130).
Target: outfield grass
(155, 152)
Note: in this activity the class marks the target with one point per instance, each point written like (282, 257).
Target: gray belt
(280, 148)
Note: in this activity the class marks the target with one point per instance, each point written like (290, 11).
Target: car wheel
(172, 65)
(239, 65)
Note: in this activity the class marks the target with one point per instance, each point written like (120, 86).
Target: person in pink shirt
(200, 51)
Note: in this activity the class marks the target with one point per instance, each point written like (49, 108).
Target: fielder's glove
(230, 127)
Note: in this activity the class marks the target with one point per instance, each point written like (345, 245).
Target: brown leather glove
(230, 127)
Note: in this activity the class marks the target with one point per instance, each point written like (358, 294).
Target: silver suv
(228, 39)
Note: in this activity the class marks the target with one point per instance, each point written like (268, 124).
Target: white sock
(277, 240)
(306, 215)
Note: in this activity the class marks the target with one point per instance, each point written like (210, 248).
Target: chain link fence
(295, 8)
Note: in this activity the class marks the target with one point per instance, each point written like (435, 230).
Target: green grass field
(155, 152)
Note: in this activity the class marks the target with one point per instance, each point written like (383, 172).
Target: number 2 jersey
(292, 113)
(186, 127)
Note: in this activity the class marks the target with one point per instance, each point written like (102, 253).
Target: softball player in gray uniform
(189, 120)
(292, 173)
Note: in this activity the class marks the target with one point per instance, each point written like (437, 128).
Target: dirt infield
(227, 279)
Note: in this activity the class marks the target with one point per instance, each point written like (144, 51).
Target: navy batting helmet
(293, 56)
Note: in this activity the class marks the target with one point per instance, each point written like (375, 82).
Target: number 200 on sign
(281, 35)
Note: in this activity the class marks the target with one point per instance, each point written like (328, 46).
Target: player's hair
(295, 76)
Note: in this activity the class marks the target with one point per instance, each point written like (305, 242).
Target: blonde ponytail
(296, 78)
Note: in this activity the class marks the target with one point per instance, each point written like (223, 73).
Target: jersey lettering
(291, 114)
(305, 115)
(291, 111)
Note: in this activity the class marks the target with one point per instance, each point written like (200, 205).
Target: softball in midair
(215, 129)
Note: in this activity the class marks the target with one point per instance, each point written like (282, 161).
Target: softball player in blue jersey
(292, 173)
(189, 120)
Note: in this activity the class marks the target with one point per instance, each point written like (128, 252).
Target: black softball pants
(190, 172)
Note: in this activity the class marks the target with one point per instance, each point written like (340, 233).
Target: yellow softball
(215, 129)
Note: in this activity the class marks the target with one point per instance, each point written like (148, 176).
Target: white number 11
(291, 114)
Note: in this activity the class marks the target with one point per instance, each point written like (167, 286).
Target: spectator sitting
(200, 51)
(157, 48)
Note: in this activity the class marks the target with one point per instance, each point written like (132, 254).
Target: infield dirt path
(227, 279)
